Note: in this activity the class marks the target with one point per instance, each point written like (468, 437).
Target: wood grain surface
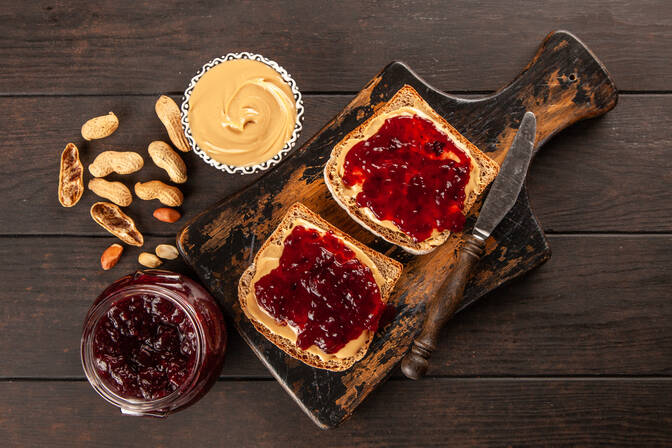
(459, 412)
(147, 47)
(577, 353)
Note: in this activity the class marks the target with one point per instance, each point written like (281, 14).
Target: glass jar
(153, 343)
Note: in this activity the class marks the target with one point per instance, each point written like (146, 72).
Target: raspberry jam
(322, 290)
(153, 343)
(144, 347)
(412, 174)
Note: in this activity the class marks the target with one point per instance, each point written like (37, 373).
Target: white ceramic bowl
(260, 166)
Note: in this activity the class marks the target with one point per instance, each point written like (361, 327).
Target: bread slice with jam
(384, 271)
(407, 103)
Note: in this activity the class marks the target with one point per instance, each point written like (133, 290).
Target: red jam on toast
(412, 174)
(322, 290)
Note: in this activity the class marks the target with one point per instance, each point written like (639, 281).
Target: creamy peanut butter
(241, 112)
(268, 260)
(370, 130)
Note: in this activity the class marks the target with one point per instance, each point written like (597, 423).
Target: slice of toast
(404, 98)
(389, 269)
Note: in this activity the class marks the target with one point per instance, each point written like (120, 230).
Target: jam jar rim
(159, 407)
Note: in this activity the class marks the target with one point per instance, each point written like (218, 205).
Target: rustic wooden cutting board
(563, 83)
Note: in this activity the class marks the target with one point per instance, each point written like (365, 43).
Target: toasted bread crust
(406, 96)
(390, 270)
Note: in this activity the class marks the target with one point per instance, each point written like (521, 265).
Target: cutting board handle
(562, 84)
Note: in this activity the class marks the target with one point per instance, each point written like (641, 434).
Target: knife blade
(508, 183)
(501, 198)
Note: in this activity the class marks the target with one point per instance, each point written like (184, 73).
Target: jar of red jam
(153, 343)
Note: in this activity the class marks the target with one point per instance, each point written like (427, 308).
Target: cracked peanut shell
(71, 177)
(111, 218)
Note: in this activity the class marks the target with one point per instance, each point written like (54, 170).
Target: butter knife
(502, 196)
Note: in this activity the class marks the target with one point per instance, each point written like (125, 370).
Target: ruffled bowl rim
(252, 169)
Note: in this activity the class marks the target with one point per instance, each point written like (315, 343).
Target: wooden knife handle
(442, 307)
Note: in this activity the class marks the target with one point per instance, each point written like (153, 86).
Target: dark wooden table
(578, 352)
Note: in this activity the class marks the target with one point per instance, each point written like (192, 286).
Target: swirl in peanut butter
(241, 112)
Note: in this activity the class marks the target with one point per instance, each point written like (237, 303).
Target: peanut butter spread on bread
(268, 259)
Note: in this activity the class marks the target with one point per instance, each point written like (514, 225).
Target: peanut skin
(113, 191)
(169, 114)
(116, 162)
(111, 256)
(165, 214)
(100, 127)
(164, 157)
(155, 189)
